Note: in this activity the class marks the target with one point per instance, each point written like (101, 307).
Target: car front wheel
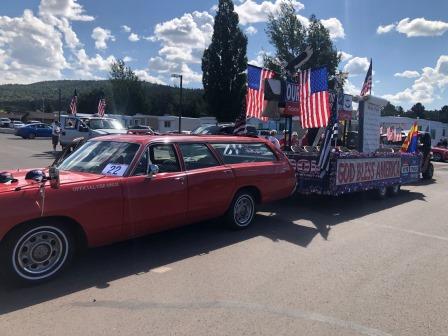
(31, 136)
(242, 210)
(37, 252)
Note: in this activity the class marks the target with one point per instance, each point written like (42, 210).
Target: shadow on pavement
(277, 221)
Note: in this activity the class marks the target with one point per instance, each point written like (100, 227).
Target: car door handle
(181, 179)
(228, 171)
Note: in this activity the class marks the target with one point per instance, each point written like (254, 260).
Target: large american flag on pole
(255, 90)
(102, 107)
(74, 103)
(367, 87)
(313, 98)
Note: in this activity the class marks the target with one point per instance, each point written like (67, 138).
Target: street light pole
(180, 107)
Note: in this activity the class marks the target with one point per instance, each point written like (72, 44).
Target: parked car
(119, 187)
(16, 124)
(34, 122)
(4, 122)
(73, 127)
(221, 129)
(439, 153)
(34, 131)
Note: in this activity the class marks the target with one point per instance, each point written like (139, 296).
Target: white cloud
(133, 37)
(144, 74)
(31, 49)
(127, 59)
(357, 66)
(251, 30)
(126, 29)
(416, 27)
(258, 60)
(351, 89)
(335, 28)
(345, 56)
(427, 87)
(69, 9)
(101, 36)
(385, 29)
(407, 74)
(421, 27)
(90, 67)
(250, 11)
(183, 41)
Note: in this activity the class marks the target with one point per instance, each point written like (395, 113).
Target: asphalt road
(308, 266)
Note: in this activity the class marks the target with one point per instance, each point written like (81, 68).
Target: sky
(78, 39)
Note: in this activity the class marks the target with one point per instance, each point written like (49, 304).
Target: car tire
(429, 173)
(242, 210)
(437, 157)
(394, 190)
(31, 136)
(36, 252)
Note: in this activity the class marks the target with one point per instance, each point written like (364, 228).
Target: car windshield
(103, 124)
(210, 129)
(101, 157)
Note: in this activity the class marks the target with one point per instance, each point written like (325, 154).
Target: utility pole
(180, 105)
(60, 105)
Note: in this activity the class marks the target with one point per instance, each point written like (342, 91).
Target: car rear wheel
(37, 252)
(437, 157)
(31, 136)
(242, 210)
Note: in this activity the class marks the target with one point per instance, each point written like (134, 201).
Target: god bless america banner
(350, 171)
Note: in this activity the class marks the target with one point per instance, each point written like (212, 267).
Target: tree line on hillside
(417, 111)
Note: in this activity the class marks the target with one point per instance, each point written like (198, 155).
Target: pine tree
(224, 64)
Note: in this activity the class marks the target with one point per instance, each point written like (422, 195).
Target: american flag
(331, 135)
(367, 87)
(255, 90)
(73, 103)
(240, 122)
(102, 107)
(313, 98)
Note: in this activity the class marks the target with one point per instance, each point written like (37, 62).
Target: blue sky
(77, 39)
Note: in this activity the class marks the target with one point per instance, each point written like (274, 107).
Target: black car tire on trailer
(242, 210)
(394, 190)
(381, 192)
(36, 252)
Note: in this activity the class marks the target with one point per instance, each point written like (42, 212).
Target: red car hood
(65, 177)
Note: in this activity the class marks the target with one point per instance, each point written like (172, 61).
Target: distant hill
(162, 99)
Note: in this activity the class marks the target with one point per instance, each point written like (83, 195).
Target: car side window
(69, 123)
(197, 156)
(163, 155)
(244, 152)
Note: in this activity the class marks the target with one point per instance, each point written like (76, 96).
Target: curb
(7, 130)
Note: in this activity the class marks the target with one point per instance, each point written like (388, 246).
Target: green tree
(127, 92)
(443, 114)
(289, 37)
(224, 64)
(88, 102)
(389, 110)
(418, 110)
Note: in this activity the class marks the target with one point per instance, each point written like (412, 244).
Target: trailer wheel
(429, 173)
(381, 192)
(394, 190)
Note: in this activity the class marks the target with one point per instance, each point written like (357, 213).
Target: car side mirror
(53, 173)
(83, 128)
(152, 170)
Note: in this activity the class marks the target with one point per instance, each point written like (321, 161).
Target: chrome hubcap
(40, 253)
(243, 210)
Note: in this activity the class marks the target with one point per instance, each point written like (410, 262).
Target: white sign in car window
(115, 169)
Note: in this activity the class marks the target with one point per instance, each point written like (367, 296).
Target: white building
(164, 123)
(437, 129)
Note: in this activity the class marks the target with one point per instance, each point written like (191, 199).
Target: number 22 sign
(115, 169)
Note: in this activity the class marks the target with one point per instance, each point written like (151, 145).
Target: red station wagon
(119, 187)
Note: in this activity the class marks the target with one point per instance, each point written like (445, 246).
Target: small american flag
(102, 107)
(240, 122)
(73, 103)
(331, 135)
(255, 90)
(367, 87)
(313, 96)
